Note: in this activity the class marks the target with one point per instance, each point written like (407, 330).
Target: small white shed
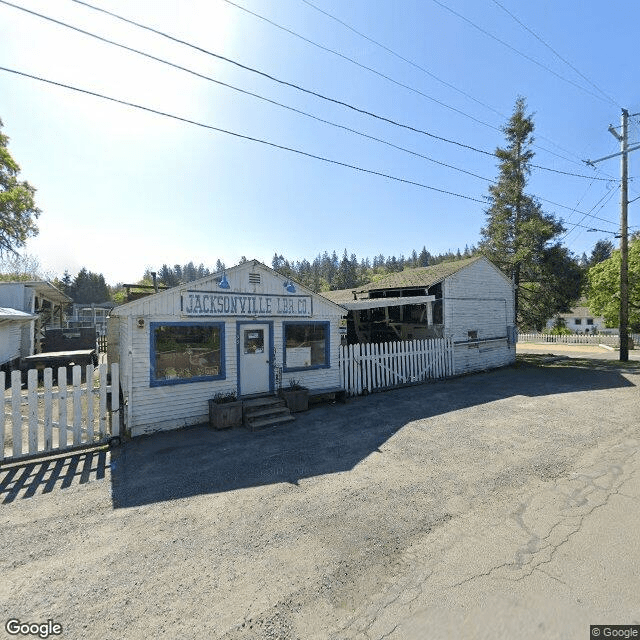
(248, 330)
(12, 322)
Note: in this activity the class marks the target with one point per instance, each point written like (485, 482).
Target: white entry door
(254, 358)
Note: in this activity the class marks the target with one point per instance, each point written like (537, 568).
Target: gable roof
(420, 277)
(129, 307)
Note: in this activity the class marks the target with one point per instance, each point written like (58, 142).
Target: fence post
(90, 402)
(32, 393)
(2, 412)
(62, 407)
(48, 408)
(16, 411)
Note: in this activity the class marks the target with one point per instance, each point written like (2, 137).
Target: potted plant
(225, 411)
(296, 396)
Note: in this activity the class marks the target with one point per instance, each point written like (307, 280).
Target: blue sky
(122, 190)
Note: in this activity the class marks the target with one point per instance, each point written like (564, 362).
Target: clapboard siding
(153, 408)
(10, 337)
(479, 298)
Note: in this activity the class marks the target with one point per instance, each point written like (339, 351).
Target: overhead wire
(303, 89)
(155, 58)
(361, 65)
(548, 46)
(240, 135)
(435, 77)
(512, 48)
(274, 102)
(403, 58)
(269, 143)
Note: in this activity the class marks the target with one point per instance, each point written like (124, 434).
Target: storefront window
(186, 352)
(306, 345)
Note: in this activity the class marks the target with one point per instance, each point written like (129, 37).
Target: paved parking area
(495, 505)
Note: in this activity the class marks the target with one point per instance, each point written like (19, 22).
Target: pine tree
(518, 236)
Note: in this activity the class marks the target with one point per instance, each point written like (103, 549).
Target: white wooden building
(12, 322)
(248, 330)
(470, 301)
(28, 307)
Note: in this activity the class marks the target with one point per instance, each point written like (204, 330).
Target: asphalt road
(496, 505)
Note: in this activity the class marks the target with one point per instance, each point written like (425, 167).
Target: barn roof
(420, 277)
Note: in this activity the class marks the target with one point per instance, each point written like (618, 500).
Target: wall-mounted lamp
(289, 286)
(223, 283)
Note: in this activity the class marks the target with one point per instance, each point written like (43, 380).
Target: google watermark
(15, 627)
(625, 631)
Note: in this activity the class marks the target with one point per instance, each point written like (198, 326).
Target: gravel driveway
(351, 522)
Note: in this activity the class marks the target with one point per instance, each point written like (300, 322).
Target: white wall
(479, 298)
(10, 337)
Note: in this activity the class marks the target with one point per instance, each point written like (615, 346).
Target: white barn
(248, 330)
(469, 300)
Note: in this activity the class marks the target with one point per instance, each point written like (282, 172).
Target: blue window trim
(152, 354)
(272, 376)
(327, 345)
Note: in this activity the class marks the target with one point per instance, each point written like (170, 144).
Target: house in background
(30, 307)
(581, 320)
(469, 300)
(87, 315)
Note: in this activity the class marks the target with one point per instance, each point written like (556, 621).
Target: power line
(604, 200)
(251, 138)
(242, 136)
(283, 82)
(292, 85)
(537, 37)
(279, 104)
(329, 50)
(524, 55)
(403, 58)
(444, 82)
(359, 64)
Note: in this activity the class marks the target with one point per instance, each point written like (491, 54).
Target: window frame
(154, 382)
(327, 345)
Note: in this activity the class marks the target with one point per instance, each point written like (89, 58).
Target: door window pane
(254, 340)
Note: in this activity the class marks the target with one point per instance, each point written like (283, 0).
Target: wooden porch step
(272, 421)
(263, 412)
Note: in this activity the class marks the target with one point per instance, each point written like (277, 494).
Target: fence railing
(50, 418)
(575, 338)
(370, 367)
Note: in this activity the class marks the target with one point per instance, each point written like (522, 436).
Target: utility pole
(622, 137)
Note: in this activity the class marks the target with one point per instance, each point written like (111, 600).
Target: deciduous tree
(603, 289)
(18, 211)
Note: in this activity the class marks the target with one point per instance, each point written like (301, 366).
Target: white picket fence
(575, 338)
(46, 418)
(370, 367)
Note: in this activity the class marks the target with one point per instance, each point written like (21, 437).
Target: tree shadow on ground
(27, 479)
(327, 439)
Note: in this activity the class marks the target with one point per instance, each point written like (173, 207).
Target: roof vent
(254, 278)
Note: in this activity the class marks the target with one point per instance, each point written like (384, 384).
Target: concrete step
(271, 421)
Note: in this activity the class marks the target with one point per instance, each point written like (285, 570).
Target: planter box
(225, 415)
(297, 400)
